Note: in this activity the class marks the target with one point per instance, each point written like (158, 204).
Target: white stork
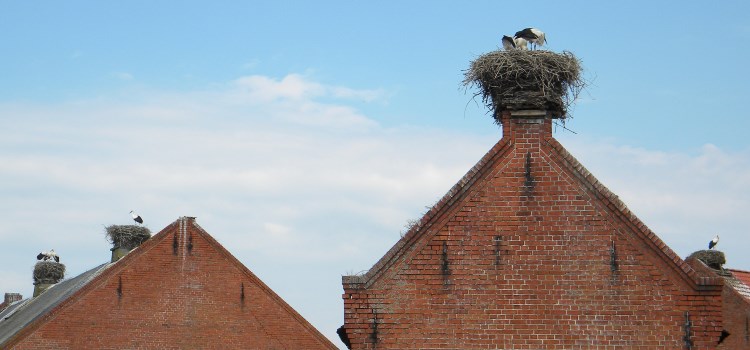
(508, 43)
(521, 44)
(713, 242)
(532, 35)
(50, 255)
(137, 218)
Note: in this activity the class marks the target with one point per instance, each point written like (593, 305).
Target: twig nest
(712, 258)
(520, 79)
(127, 236)
(48, 272)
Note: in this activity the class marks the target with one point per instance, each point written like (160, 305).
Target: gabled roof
(22, 313)
(20, 320)
(504, 148)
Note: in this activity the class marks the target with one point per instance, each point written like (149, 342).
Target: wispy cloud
(685, 197)
(274, 169)
(250, 65)
(122, 76)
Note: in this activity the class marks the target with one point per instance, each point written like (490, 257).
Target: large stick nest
(713, 258)
(127, 236)
(48, 272)
(520, 79)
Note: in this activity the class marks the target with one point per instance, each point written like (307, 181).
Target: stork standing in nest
(47, 256)
(137, 218)
(508, 43)
(713, 242)
(531, 35)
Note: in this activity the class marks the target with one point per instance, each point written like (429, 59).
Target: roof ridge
(263, 286)
(452, 196)
(91, 283)
(49, 306)
(175, 227)
(612, 201)
(737, 270)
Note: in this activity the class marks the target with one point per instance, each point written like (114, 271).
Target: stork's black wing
(526, 34)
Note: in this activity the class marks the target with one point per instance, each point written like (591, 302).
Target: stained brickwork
(179, 290)
(529, 251)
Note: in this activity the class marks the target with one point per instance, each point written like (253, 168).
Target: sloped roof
(485, 165)
(619, 208)
(739, 281)
(22, 313)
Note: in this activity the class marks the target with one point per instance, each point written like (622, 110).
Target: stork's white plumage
(508, 43)
(521, 44)
(50, 255)
(713, 242)
(137, 218)
(53, 255)
(533, 36)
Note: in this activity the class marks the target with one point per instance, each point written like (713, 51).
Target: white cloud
(260, 89)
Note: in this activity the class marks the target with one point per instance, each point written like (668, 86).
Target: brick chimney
(125, 238)
(10, 298)
(526, 125)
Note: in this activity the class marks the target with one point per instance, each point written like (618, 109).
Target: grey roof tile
(22, 313)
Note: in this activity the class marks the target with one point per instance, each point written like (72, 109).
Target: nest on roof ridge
(712, 258)
(520, 79)
(127, 236)
(48, 272)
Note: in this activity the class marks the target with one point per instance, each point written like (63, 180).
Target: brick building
(530, 251)
(179, 290)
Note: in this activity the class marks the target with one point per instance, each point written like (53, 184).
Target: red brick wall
(736, 311)
(198, 298)
(528, 258)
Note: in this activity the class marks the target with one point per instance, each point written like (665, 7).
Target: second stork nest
(48, 272)
(519, 79)
(127, 236)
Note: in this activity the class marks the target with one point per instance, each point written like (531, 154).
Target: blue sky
(303, 135)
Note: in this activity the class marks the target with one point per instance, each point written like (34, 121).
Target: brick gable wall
(181, 292)
(736, 312)
(528, 258)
